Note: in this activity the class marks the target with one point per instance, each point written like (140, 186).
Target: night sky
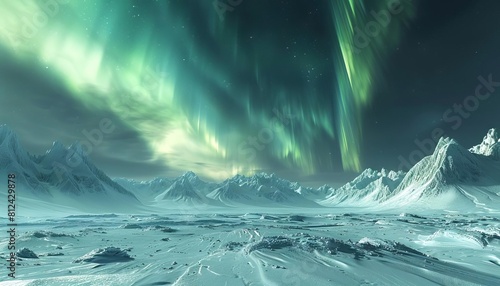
(315, 91)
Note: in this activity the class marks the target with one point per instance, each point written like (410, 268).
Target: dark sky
(437, 66)
(274, 86)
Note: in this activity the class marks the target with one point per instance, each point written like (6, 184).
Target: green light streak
(196, 112)
(356, 67)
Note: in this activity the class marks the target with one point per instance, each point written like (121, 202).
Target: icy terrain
(438, 224)
(261, 249)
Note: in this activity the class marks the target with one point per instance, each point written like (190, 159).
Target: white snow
(108, 254)
(369, 188)
(490, 145)
(331, 248)
(53, 179)
(438, 224)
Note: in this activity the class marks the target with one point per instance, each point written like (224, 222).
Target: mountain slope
(260, 190)
(62, 176)
(490, 146)
(369, 188)
(449, 164)
(263, 190)
(146, 191)
(451, 178)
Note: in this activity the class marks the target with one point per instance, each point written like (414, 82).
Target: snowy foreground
(259, 249)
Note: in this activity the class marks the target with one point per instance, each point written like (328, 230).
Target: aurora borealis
(265, 86)
(358, 61)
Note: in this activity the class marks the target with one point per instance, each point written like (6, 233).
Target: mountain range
(451, 178)
(63, 176)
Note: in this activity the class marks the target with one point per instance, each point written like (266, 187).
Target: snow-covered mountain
(263, 190)
(369, 188)
(449, 164)
(258, 190)
(13, 159)
(231, 191)
(145, 190)
(453, 177)
(187, 188)
(62, 176)
(490, 146)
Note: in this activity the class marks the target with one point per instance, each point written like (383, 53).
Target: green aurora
(206, 92)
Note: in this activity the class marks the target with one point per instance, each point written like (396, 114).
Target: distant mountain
(258, 190)
(187, 188)
(263, 190)
(369, 188)
(13, 159)
(233, 190)
(452, 178)
(146, 191)
(62, 176)
(490, 146)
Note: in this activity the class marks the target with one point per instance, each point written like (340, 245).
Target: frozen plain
(224, 247)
